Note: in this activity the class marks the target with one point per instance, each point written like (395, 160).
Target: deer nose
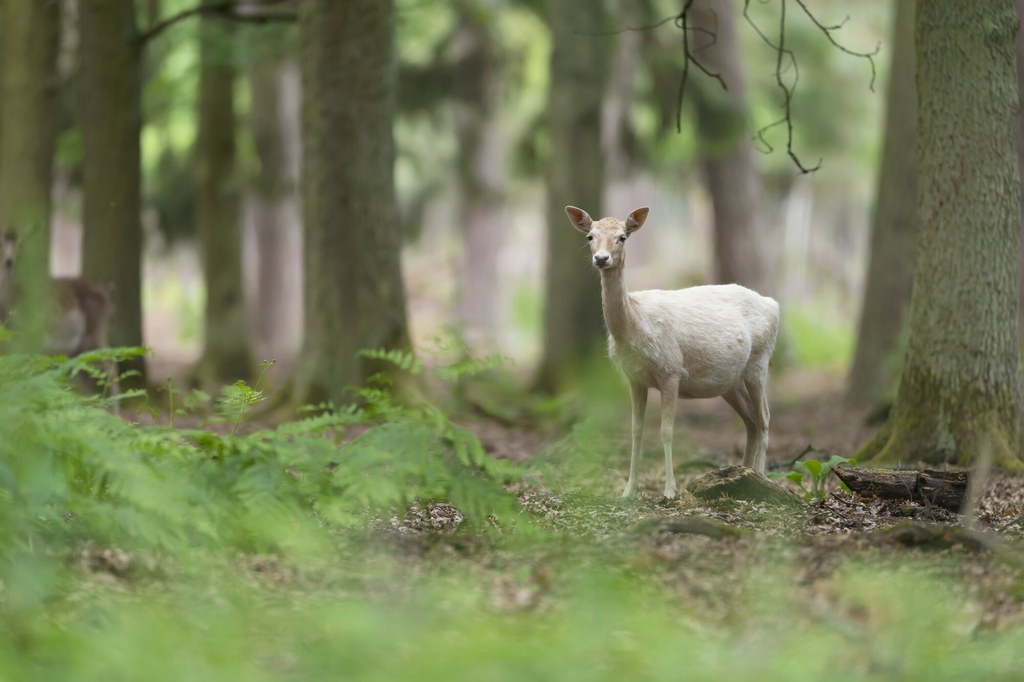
(601, 259)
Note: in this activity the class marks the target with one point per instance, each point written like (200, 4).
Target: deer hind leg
(757, 387)
(739, 400)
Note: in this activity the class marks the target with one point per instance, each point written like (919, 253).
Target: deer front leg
(638, 397)
(669, 395)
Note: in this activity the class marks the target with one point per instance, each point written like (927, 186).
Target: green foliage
(816, 472)
(72, 472)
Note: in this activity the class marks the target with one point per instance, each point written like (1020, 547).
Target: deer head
(607, 236)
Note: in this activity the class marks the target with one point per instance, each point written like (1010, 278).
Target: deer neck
(619, 315)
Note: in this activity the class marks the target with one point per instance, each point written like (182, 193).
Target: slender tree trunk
(959, 394)
(726, 151)
(481, 171)
(353, 283)
(890, 272)
(274, 210)
(226, 354)
(28, 103)
(573, 327)
(111, 118)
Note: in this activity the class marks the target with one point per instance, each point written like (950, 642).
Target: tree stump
(946, 489)
(741, 483)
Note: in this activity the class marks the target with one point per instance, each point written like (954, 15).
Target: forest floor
(716, 557)
(576, 582)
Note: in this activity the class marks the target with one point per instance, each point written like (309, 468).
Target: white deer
(700, 342)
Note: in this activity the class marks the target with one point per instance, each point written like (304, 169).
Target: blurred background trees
(410, 182)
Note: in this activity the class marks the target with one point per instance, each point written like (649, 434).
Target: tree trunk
(725, 148)
(573, 326)
(28, 102)
(353, 282)
(959, 394)
(226, 354)
(274, 210)
(481, 170)
(111, 118)
(890, 272)
(1020, 157)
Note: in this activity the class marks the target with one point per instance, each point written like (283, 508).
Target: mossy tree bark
(1020, 156)
(226, 356)
(959, 393)
(353, 284)
(28, 104)
(726, 151)
(111, 118)
(573, 323)
(890, 271)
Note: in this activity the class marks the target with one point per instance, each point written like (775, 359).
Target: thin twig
(781, 67)
(827, 30)
(681, 22)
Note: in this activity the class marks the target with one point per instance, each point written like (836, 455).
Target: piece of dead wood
(741, 483)
(946, 489)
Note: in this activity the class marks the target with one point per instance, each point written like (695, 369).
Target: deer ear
(636, 219)
(579, 218)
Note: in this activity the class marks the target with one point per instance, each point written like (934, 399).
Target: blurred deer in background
(700, 342)
(81, 311)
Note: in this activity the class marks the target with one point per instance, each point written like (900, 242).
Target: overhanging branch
(228, 9)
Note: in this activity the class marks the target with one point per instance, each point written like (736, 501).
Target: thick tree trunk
(28, 102)
(226, 354)
(890, 272)
(111, 118)
(959, 394)
(1020, 158)
(573, 327)
(353, 283)
(274, 210)
(726, 151)
(481, 171)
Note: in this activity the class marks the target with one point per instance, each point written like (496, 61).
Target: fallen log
(946, 489)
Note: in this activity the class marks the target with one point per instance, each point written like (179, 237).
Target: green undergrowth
(230, 551)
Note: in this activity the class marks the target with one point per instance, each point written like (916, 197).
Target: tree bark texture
(226, 355)
(353, 282)
(480, 169)
(573, 326)
(890, 272)
(946, 489)
(111, 119)
(959, 394)
(28, 104)
(1020, 159)
(726, 151)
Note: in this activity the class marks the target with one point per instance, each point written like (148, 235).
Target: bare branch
(228, 9)
(782, 53)
(827, 30)
(688, 57)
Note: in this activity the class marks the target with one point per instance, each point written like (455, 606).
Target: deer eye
(622, 239)
(590, 237)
